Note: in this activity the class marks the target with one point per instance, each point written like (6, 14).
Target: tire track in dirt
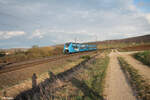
(143, 70)
(117, 87)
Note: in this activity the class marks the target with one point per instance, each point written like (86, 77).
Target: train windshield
(67, 44)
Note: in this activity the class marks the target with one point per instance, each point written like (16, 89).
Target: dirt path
(144, 70)
(117, 87)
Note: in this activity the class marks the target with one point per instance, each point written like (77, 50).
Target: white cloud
(63, 20)
(148, 17)
(37, 34)
(43, 32)
(10, 34)
(68, 31)
(121, 17)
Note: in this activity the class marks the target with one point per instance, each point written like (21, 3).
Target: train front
(66, 48)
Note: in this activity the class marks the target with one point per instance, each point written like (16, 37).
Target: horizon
(72, 41)
(51, 22)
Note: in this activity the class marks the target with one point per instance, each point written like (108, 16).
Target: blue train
(78, 47)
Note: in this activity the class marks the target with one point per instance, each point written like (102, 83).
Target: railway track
(18, 66)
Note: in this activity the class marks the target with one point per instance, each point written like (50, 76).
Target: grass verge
(144, 57)
(97, 74)
(138, 83)
(88, 84)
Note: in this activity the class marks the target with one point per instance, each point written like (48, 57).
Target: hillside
(138, 39)
(139, 42)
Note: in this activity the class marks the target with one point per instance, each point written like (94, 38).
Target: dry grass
(82, 82)
(33, 53)
(88, 82)
(136, 48)
(21, 79)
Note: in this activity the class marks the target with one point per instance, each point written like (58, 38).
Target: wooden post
(52, 75)
(5, 94)
(34, 80)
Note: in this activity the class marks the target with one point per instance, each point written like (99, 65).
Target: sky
(24, 23)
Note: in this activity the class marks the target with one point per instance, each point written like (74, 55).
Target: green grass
(144, 57)
(138, 83)
(97, 74)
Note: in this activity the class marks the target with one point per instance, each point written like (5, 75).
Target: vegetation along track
(18, 66)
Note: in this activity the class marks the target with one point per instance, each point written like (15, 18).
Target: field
(136, 48)
(19, 77)
(30, 54)
(86, 82)
(92, 80)
(124, 47)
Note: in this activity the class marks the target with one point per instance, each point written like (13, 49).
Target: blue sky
(24, 23)
(143, 5)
